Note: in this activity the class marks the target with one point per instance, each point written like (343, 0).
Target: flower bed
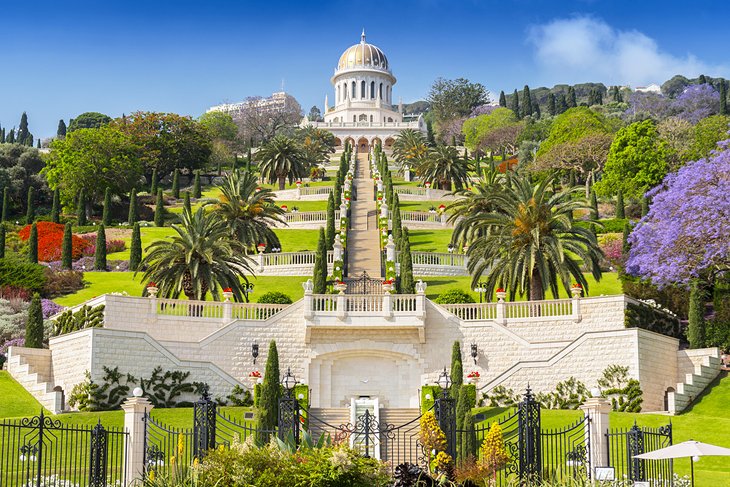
(50, 241)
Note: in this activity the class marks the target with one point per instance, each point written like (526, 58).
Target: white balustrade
(534, 309)
(420, 217)
(309, 216)
(366, 304)
(472, 312)
(410, 190)
(439, 259)
(291, 258)
(308, 191)
(217, 309)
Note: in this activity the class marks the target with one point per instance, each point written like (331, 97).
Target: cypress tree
(457, 369)
(100, 254)
(397, 222)
(462, 411)
(625, 245)
(696, 327)
(55, 209)
(620, 210)
(160, 210)
(34, 325)
(430, 137)
(176, 185)
(23, 133)
(66, 248)
(132, 216)
(6, 205)
(502, 99)
(197, 192)
(30, 207)
(407, 285)
(644, 206)
(33, 244)
(338, 192)
(10, 139)
(270, 394)
(81, 210)
(723, 97)
(551, 103)
(186, 203)
(562, 104)
(106, 216)
(536, 109)
(320, 265)
(703, 79)
(330, 233)
(61, 130)
(526, 101)
(572, 101)
(2, 241)
(515, 104)
(470, 438)
(39, 143)
(135, 248)
(594, 206)
(153, 184)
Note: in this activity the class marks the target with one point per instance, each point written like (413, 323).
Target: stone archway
(350, 141)
(363, 145)
(389, 142)
(338, 142)
(376, 141)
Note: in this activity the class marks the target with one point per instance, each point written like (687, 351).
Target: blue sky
(63, 58)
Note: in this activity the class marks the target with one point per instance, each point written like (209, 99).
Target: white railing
(364, 303)
(410, 190)
(255, 311)
(309, 216)
(533, 309)
(291, 258)
(439, 258)
(324, 303)
(308, 191)
(373, 305)
(217, 309)
(472, 312)
(420, 216)
(404, 303)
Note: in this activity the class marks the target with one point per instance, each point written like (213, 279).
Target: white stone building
(364, 113)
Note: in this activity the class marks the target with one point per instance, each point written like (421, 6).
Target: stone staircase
(400, 446)
(327, 420)
(695, 382)
(31, 368)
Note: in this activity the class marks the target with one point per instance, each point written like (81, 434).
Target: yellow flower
(151, 475)
(172, 461)
(180, 445)
(196, 462)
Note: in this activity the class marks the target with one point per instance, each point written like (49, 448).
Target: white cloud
(588, 49)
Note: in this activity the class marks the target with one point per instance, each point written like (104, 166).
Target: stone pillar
(421, 299)
(390, 250)
(308, 287)
(134, 410)
(501, 309)
(384, 209)
(444, 219)
(380, 185)
(407, 174)
(227, 310)
(299, 193)
(260, 261)
(597, 410)
(342, 306)
(577, 317)
(343, 209)
(152, 292)
(387, 305)
(337, 248)
(428, 192)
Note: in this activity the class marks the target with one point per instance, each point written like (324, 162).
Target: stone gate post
(134, 410)
(596, 409)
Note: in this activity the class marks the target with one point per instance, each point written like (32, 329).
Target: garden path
(363, 247)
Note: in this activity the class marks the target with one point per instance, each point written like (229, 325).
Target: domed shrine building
(364, 114)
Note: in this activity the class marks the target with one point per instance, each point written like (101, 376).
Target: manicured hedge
(610, 225)
(435, 392)
(652, 319)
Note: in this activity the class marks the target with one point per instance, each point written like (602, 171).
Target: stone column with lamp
(134, 409)
(577, 292)
(152, 291)
(227, 304)
(597, 409)
(501, 311)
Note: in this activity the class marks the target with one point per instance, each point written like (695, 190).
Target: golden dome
(363, 55)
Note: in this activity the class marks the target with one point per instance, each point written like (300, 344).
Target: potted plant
(473, 376)
(299, 184)
(152, 289)
(261, 247)
(284, 207)
(442, 208)
(577, 290)
(227, 294)
(340, 286)
(254, 377)
(388, 285)
(501, 294)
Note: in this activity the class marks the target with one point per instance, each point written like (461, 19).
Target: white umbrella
(694, 449)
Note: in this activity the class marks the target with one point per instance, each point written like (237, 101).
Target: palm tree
(409, 148)
(444, 165)
(316, 144)
(281, 159)
(249, 211)
(201, 257)
(528, 241)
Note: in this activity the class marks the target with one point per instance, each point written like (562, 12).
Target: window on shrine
(363, 95)
(354, 87)
(372, 89)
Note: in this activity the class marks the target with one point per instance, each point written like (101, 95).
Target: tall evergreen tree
(106, 215)
(30, 206)
(571, 99)
(61, 130)
(153, 183)
(502, 99)
(620, 210)
(100, 254)
(186, 202)
(470, 439)
(56, 207)
(132, 215)
(515, 104)
(457, 369)
(397, 222)
(536, 109)
(34, 325)
(551, 104)
(562, 104)
(594, 206)
(66, 248)
(135, 248)
(625, 245)
(10, 139)
(176, 184)
(38, 146)
(330, 233)
(197, 191)
(160, 210)
(270, 394)
(23, 133)
(320, 265)
(703, 79)
(526, 102)
(430, 137)
(81, 210)
(644, 206)
(33, 244)
(463, 409)
(6, 205)
(696, 327)
(723, 97)
(407, 284)
(2, 241)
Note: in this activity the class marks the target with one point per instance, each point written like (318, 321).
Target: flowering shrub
(255, 373)
(612, 248)
(87, 264)
(50, 308)
(473, 375)
(13, 292)
(50, 241)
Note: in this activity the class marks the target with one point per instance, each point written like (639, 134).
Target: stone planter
(577, 292)
(227, 296)
(152, 291)
(253, 380)
(501, 295)
(387, 287)
(340, 287)
(473, 380)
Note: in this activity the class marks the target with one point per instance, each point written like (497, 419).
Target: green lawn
(304, 205)
(430, 240)
(14, 399)
(296, 240)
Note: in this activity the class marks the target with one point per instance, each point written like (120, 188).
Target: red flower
(474, 374)
(388, 281)
(151, 284)
(50, 241)
(577, 286)
(500, 289)
(255, 373)
(227, 290)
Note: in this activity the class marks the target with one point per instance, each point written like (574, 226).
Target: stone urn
(253, 380)
(340, 287)
(501, 295)
(152, 291)
(227, 296)
(577, 291)
(387, 286)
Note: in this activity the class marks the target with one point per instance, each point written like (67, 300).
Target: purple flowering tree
(654, 105)
(697, 102)
(686, 233)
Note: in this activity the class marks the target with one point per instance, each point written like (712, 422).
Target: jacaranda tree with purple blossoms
(697, 102)
(686, 234)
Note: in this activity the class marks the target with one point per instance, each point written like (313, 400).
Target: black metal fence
(43, 451)
(624, 444)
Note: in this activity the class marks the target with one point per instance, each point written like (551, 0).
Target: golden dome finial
(362, 37)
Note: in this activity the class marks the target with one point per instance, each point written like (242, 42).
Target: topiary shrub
(22, 274)
(274, 297)
(86, 317)
(454, 296)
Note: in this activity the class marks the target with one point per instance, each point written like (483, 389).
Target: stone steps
(36, 384)
(694, 383)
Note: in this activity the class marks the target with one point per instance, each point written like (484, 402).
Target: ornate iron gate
(624, 444)
(364, 285)
(566, 452)
(35, 450)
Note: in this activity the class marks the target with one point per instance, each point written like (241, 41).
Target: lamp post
(445, 413)
(247, 289)
(451, 249)
(481, 289)
(255, 352)
(289, 410)
(474, 352)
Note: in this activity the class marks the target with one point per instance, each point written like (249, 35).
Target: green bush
(86, 317)
(26, 275)
(274, 297)
(650, 318)
(610, 225)
(59, 283)
(454, 296)
(427, 403)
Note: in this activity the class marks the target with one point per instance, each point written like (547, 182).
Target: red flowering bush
(50, 241)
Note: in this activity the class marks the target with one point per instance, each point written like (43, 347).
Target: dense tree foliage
(280, 159)
(88, 120)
